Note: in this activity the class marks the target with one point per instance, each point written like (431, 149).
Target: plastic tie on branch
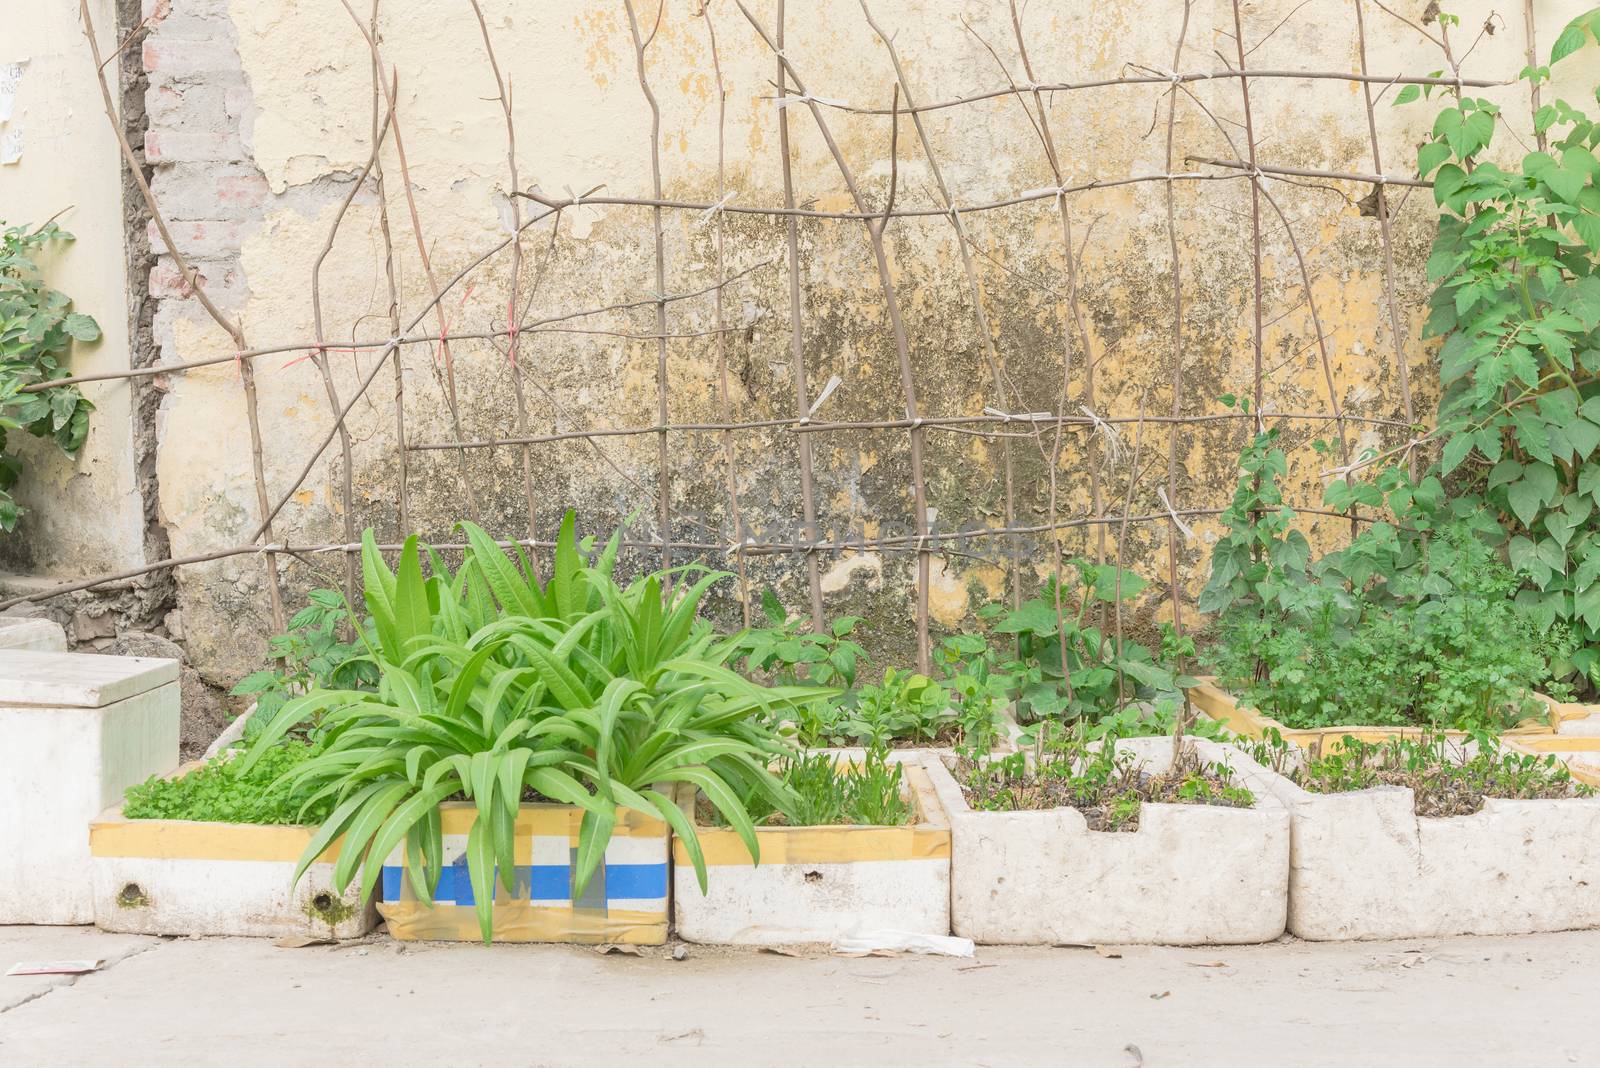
(822, 398)
(1113, 438)
(809, 98)
(716, 209)
(1055, 192)
(1027, 417)
(1172, 513)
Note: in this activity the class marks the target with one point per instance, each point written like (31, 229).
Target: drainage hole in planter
(813, 876)
(131, 897)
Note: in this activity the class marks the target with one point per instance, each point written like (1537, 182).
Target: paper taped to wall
(10, 82)
(11, 144)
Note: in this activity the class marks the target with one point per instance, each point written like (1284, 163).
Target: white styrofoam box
(184, 877)
(1365, 865)
(1190, 874)
(76, 730)
(40, 635)
(820, 884)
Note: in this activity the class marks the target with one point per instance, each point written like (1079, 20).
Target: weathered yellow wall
(83, 517)
(277, 100)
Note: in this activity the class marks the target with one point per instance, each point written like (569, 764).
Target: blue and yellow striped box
(626, 900)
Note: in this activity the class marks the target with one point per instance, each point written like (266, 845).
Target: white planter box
(76, 730)
(183, 877)
(1190, 875)
(820, 884)
(1365, 865)
(39, 635)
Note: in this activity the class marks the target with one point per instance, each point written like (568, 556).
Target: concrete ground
(1526, 1000)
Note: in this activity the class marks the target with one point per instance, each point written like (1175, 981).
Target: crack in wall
(157, 593)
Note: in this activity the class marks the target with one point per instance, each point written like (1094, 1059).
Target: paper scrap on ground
(55, 967)
(904, 942)
(10, 144)
(10, 82)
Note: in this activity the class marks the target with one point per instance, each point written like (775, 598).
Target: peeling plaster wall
(261, 115)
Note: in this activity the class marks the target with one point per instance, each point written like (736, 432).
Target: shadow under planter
(187, 877)
(820, 884)
(1364, 865)
(625, 901)
(1190, 874)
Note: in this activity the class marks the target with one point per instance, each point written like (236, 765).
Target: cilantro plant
(218, 792)
(37, 329)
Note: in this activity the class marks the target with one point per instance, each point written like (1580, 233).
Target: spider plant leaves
(400, 825)
(594, 834)
(515, 592)
(592, 694)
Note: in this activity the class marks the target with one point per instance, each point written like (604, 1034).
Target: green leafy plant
(1447, 778)
(1067, 666)
(979, 685)
(1107, 784)
(310, 655)
(217, 792)
(37, 330)
(493, 687)
(784, 651)
(1394, 629)
(1517, 305)
(906, 707)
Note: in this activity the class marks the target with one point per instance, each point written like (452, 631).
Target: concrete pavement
(1527, 1000)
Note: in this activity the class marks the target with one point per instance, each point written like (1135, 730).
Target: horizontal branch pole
(401, 338)
(932, 542)
(1308, 172)
(1028, 197)
(1166, 79)
(805, 426)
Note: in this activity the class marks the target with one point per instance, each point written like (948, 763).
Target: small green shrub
(1107, 785)
(223, 791)
(823, 793)
(1447, 778)
(310, 655)
(37, 330)
(1402, 627)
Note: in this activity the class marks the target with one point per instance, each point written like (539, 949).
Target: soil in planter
(826, 793)
(1108, 787)
(1446, 778)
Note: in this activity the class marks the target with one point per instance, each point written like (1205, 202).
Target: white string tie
(707, 215)
(1113, 439)
(1188, 531)
(822, 398)
(808, 98)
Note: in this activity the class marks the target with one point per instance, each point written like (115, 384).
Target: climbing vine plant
(37, 329)
(1518, 307)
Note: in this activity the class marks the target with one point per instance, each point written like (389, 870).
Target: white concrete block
(1365, 865)
(40, 635)
(181, 877)
(1190, 874)
(63, 764)
(819, 884)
